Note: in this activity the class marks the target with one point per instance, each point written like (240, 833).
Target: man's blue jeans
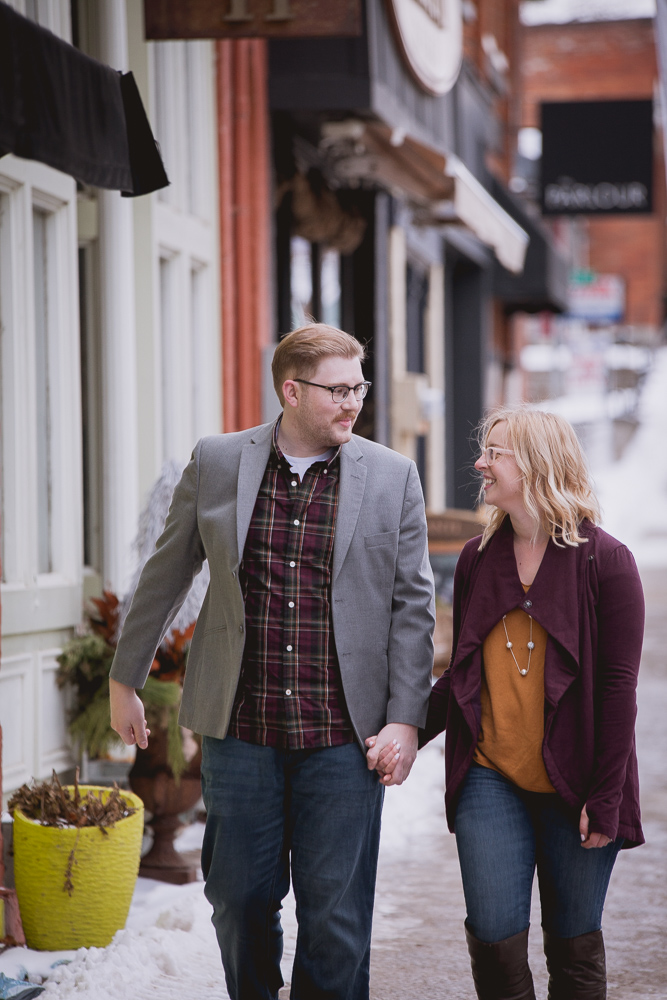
(503, 833)
(318, 812)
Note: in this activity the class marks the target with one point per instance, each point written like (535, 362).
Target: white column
(435, 369)
(119, 381)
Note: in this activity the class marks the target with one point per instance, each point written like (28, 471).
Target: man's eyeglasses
(492, 455)
(339, 393)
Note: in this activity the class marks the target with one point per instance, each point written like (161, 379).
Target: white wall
(40, 448)
(160, 254)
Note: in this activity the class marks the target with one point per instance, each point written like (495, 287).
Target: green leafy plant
(85, 663)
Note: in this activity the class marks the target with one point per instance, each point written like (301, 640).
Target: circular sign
(430, 36)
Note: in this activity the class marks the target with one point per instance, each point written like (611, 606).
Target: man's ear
(291, 392)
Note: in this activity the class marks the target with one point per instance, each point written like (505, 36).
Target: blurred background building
(377, 168)
(590, 362)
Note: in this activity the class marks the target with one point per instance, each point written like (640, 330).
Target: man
(315, 633)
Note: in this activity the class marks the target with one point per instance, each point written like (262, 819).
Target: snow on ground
(565, 11)
(633, 491)
(168, 947)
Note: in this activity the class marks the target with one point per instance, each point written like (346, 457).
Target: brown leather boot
(500, 970)
(577, 969)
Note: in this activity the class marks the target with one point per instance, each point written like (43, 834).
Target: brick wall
(597, 61)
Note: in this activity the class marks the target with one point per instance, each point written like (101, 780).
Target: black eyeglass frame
(365, 385)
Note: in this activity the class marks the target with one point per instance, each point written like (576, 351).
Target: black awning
(59, 106)
(542, 286)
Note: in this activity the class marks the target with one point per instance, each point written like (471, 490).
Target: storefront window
(301, 272)
(315, 283)
(330, 287)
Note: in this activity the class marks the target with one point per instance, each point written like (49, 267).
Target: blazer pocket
(215, 628)
(383, 538)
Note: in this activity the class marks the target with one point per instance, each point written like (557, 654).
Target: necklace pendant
(523, 673)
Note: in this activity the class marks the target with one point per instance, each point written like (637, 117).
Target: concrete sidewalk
(419, 951)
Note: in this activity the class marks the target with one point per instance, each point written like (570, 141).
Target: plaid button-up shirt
(290, 693)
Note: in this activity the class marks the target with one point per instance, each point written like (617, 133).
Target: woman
(539, 707)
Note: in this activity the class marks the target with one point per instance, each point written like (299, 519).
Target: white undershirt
(301, 465)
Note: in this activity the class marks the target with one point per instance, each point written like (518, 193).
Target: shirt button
(291, 604)
(240, 628)
(292, 563)
(234, 573)
(296, 522)
(289, 649)
(527, 604)
(294, 482)
(288, 692)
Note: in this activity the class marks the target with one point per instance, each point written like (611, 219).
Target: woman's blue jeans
(502, 834)
(316, 812)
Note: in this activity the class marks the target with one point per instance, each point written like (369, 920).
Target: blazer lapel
(254, 456)
(351, 493)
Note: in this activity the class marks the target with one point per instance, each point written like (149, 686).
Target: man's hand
(590, 839)
(127, 714)
(392, 752)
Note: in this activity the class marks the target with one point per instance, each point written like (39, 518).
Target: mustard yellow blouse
(512, 728)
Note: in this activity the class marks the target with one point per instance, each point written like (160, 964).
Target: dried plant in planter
(65, 874)
(54, 805)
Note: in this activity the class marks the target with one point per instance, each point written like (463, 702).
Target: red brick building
(608, 60)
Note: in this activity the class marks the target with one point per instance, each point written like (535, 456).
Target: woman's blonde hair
(300, 352)
(557, 488)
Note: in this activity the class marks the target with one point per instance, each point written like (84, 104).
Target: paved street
(419, 950)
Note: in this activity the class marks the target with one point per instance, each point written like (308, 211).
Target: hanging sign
(430, 38)
(596, 298)
(597, 158)
(251, 18)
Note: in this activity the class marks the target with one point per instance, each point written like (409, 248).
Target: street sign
(251, 18)
(596, 298)
(597, 157)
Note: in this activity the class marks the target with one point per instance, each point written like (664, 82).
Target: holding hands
(392, 752)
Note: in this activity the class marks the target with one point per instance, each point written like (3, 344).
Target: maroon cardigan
(590, 601)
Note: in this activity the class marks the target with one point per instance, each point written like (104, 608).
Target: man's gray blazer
(381, 583)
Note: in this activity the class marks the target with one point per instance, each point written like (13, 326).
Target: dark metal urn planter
(152, 779)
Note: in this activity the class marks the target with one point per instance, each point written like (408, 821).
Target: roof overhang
(441, 188)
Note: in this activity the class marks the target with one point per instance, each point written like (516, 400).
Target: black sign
(597, 158)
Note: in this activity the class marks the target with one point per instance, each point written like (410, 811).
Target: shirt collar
(279, 455)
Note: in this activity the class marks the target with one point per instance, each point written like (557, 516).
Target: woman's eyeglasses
(492, 454)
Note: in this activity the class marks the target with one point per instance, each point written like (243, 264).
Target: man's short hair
(300, 352)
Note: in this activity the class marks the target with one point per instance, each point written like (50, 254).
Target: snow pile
(168, 948)
(566, 11)
(633, 491)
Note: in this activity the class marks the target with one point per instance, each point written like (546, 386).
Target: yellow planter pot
(102, 871)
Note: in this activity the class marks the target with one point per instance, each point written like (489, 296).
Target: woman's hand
(392, 752)
(387, 759)
(590, 839)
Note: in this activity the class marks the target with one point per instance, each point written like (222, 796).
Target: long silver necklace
(531, 647)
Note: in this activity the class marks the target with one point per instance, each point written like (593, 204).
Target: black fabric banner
(59, 106)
